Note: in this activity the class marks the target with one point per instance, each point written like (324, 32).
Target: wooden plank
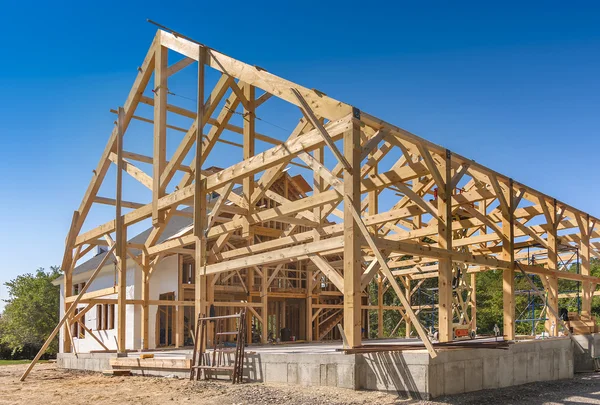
(387, 273)
(323, 105)
(551, 325)
(508, 254)
(329, 271)
(121, 239)
(352, 253)
(249, 151)
(160, 131)
(277, 256)
(310, 115)
(255, 164)
(93, 294)
(200, 193)
(190, 137)
(444, 209)
(146, 270)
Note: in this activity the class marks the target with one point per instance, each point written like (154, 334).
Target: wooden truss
(448, 213)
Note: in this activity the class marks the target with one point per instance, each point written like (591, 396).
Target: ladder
(203, 362)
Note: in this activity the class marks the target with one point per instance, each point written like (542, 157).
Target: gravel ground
(48, 385)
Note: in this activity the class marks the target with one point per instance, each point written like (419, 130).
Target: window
(188, 273)
(77, 288)
(105, 316)
(76, 329)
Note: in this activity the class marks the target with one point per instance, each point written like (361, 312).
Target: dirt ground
(48, 385)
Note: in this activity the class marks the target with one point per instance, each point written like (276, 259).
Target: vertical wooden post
(407, 294)
(145, 298)
(445, 264)
(482, 208)
(373, 199)
(210, 300)
(352, 252)
(248, 151)
(474, 301)
(121, 240)
(265, 304)
(584, 254)
(67, 267)
(160, 131)
(68, 292)
(373, 207)
(379, 306)
(200, 198)
(248, 187)
(318, 185)
(179, 309)
(508, 275)
(309, 305)
(552, 238)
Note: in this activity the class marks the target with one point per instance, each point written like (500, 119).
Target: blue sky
(514, 87)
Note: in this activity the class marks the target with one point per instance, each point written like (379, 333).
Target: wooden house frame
(451, 213)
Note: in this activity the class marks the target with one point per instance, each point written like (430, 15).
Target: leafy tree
(31, 312)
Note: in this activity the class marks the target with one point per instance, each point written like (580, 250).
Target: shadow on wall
(389, 371)
(253, 367)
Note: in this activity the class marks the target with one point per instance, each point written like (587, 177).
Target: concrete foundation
(409, 373)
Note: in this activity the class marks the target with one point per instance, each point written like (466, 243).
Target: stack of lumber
(582, 324)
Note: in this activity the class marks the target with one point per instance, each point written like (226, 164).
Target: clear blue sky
(514, 87)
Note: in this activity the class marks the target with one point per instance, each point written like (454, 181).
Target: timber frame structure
(450, 216)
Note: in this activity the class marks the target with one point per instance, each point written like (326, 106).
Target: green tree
(31, 312)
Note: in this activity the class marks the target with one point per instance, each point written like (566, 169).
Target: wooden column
(373, 207)
(121, 240)
(482, 208)
(200, 199)
(407, 294)
(352, 251)
(68, 292)
(373, 198)
(318, 186)
(68, 264)
(248, 151)
(444, 205)
(474, 301)
(508, 275)
(210, 300)
(584, 256)
(552, 238)
(265, 304)
(179, 308)
(248, 187)
(380, 306)
(309, 304)
(159, 160)
(145, 298)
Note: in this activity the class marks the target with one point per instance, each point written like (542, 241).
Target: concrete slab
(454, 377)
(409, 373)
(473, 375)
(491, 366)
